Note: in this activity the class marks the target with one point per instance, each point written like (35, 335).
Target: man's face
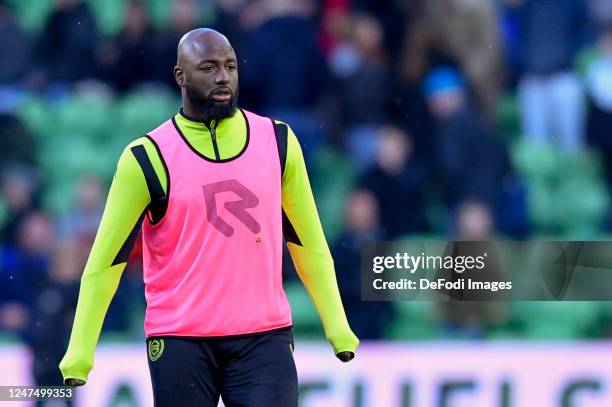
(211, 81)
(445, 103)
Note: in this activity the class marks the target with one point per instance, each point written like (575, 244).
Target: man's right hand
(345, 356)
(74, 382)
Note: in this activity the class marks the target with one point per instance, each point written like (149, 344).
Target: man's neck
(231, 135)
(190, 116)
(200, 118)
(194, 115)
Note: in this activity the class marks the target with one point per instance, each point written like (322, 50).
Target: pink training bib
(212, 265)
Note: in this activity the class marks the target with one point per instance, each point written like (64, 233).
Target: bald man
(215, 189)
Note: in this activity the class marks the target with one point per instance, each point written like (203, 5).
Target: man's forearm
(316, 270)
(310, 252)
(127, 199)
(95, 294)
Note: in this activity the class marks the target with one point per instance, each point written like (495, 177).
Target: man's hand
(74, 382)
(345, 356)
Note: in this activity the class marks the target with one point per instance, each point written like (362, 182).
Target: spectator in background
(52, 310)
(15, 47)
(398, 182)
(599, 96)
(359, 65)
(284, 74)
(81, 223)
(184, 16)
(126, 60)
(16, 142)
(470, 161)
(474, 221)
(23, 270)
(77, 231)
(551, 32)
(600, 11)
(19, 187)
(473, 319)
(65, 48)
(235, 17)
(332, 14)
(361, 225)
(390, 16)
(461, 32)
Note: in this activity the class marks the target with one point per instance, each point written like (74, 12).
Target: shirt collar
(224, 125)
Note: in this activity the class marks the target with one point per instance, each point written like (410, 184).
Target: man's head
(444, 90)
(394, 149)
(207, 72)
(361, 212)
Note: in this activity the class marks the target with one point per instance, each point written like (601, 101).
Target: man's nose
(222, 77)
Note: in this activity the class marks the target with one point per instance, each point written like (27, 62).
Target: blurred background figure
(65, 49)
(361, 224)
(16, 144)
(464, 33)
(19, 188)
(24, 270)
(82, 223)
(284, 74)
(52, 310)
(470, 160)
(474, 221)
(15, 47)
(551, 96)
(599, 97)
(125, 60)
(398, 180)
(362, 85)
(184, 16)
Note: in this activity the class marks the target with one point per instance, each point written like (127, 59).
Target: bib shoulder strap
(159, 199)
(280, 132)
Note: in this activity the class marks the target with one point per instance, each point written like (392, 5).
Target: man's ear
(179, 76)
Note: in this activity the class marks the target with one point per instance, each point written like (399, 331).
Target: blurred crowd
(429, 117)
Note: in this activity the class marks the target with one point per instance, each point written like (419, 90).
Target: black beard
(209, 108)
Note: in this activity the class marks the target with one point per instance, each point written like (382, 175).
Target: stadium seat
(59, 195)
(305, 318)
(143, 110)
(32, 13)
(507, 116)
(332, 179)
(566, 193)
(3, 212)
(542, 205)
(35, 113)
(535, 161)
(414, 320)
(109, 14)
(87, 115)
(585, 58)
(160, 12)
(555, 320)
(583, 206)
(64, 161)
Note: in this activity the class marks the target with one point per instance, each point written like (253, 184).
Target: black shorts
(245, 371)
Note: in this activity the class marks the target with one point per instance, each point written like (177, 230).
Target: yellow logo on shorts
(156, 348)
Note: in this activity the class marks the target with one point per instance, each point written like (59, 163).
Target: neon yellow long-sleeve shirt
(129, 197)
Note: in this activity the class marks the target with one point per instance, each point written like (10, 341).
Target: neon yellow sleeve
(127, 199)
(310, 254)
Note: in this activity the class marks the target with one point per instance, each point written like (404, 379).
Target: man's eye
(208, 68)
(231, 67)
